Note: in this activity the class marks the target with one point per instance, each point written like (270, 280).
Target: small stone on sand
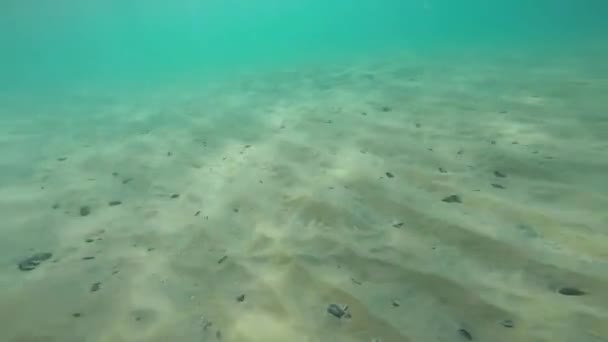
(452, 199)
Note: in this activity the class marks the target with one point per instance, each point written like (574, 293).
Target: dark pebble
(175, 196)
(452, 199)
(328, 121)
(363, 113)
(115, 174)
(169, 154)
(85, 210)
(126, 180)
(62, 158)
(507, 323)
(32, 262)
(240, 298)
(197, 213)
(222, 259)
(442, 170)
(76, 314)
(55, 206)
(498, 186)
(114, 203)
(95, 287)
(398, 225)
(386, 109)
(499, 174)
(418, 125)
(337, 311)
(88, 258)
(493, 142)
(355, 281)
(89, 240)
(571, 291)
(389, 175)
(396, 304)
(236, 210)
(465, 334)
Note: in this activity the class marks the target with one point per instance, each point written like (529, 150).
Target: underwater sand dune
(379, 202)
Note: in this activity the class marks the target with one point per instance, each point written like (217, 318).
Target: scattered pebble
(115, 174)
(452, 199)
(236, 210)
(240, 298)
(355, 281)
(507, 323)
(386, 109)
(33, 261)
(197, 213)
(338, 311)
(175, 196)
(418, 125)
(114, 203)
(389, 175)
(169, 154)
(442, 170)
(398, 224)
(62, 159)
(396, 304)
(499, 174)
(126, 180)
(88, 258)
(498, 186)
(493, 142)
(571, 291)
(206, 323)
(76, 314)
(95, 287)
(85, 210)
(89, 240)
(465, 334)
(222, 259)
(55, 206)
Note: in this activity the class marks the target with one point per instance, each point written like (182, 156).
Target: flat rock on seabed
(338, 311)
(33, 261)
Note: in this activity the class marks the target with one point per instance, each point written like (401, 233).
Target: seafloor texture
(438, 199)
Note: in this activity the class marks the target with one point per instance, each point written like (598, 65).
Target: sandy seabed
(437, 200)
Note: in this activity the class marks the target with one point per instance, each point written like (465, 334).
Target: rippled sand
(299, 189)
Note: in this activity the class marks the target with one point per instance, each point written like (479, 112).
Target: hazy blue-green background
(58, 42)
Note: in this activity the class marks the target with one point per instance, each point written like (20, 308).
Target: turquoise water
(54, 43)
(303, 170)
